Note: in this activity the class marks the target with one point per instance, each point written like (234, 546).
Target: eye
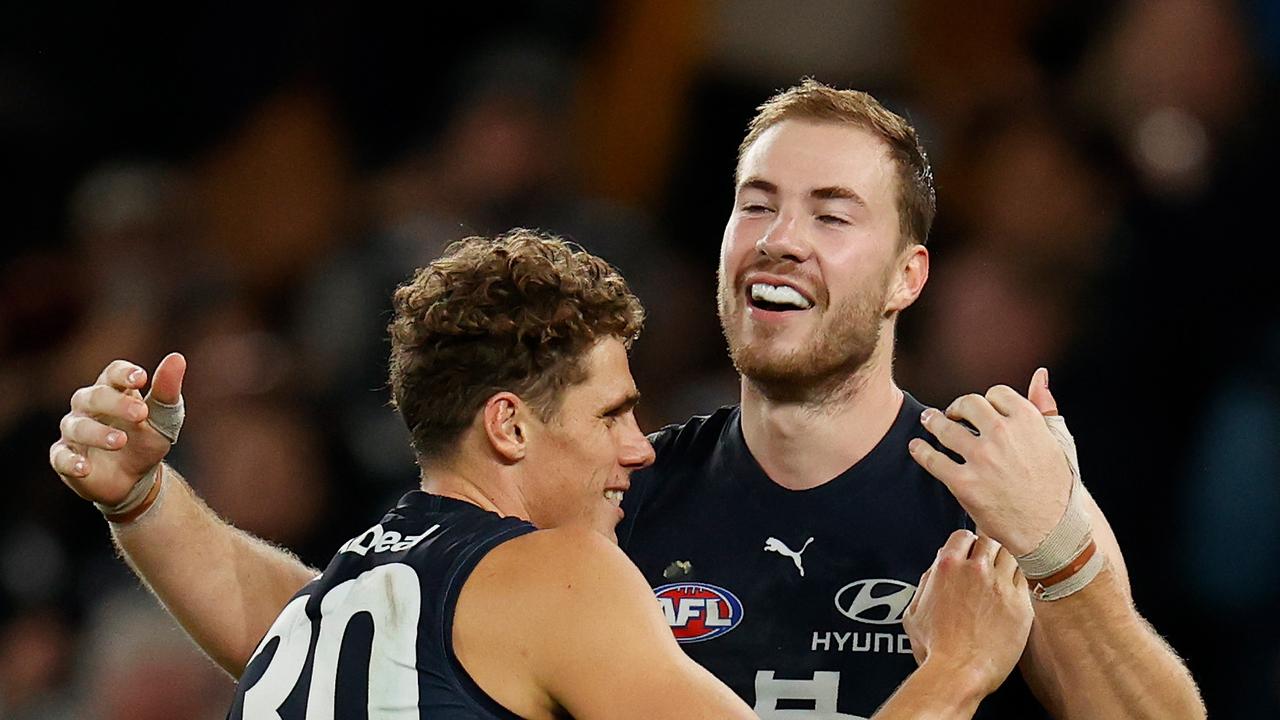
(756, 209)
(832, 220)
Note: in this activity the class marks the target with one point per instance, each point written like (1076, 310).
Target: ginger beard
(842, 342)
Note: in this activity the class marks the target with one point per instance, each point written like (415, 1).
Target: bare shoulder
(537, 604)
(551, 567)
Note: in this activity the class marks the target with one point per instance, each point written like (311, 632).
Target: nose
(784, 240)
(635, 450)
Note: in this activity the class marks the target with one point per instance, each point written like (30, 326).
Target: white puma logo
(775, 545)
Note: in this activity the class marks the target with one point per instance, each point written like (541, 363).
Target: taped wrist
(1068, 559)
(138, 501)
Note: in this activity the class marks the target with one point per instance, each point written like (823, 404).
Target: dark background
(247, 183)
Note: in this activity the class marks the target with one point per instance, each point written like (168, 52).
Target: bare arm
(1090, 655)
(223, 585)
(559, 622)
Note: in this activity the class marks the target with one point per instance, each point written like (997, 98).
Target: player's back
(372, 636)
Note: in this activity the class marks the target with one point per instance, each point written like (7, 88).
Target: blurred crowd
(247, 185)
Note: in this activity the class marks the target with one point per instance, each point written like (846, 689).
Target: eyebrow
(833, 192)
(625, 404)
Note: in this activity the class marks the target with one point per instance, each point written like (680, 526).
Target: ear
(503, 419)
(909, 276)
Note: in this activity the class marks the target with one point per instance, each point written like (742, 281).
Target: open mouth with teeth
(777, 298)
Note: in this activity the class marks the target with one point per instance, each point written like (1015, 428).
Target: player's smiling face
(586, 452)
(808, 253)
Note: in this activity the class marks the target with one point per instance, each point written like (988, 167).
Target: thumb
(166, 383)
(1039, 395)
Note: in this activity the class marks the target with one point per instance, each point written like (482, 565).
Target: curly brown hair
(515, 313)
(812, 100)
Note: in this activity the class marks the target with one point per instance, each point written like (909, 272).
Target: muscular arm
(932, 692)
(1091, 655)
(223, 585)
(559, 622)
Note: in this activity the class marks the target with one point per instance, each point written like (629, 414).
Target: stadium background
(246, 184)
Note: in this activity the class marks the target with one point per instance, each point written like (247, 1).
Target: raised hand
(1015, 479)
(107, 445)
(971, 614)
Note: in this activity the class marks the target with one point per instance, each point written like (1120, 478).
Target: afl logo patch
(698, 611)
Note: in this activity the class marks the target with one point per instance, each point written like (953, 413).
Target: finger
(1007, 566)
(949, 432)
(915, 599)
(949, 472)
(959, 544)
(1019, 580)
(985, 549)
(104, 401)
(66, 461)
(167, 385)
(975, 410)
(1039, 395)
(88, 432)
(122, 375)
(1007, 401)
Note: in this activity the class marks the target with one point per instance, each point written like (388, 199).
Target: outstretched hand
(1015, 479)
(107, 445)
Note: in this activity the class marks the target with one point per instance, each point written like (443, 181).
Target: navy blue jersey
(794, 598)
(372, 636)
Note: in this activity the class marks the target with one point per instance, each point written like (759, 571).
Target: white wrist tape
(1067, 559)
(136, 496)
(1064, 543)
(165, 418)
(1046, 590)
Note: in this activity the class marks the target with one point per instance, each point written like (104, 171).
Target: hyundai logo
(877, 602)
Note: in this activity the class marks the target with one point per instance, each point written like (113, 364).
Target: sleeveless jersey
(372, 637)
(794, 598)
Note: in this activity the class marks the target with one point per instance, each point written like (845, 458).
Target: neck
(460, 478)
(804, 443)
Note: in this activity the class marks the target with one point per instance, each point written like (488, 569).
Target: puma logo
(775, 545)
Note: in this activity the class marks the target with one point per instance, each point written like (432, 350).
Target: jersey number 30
(357, 661)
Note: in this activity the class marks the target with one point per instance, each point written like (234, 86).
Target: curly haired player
(497, 590)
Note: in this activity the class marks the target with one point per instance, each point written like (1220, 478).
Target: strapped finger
(975, 410)
(1008, 401)
(122, 375)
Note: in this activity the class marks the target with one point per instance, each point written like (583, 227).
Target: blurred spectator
(35, 654)
(139, 665)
